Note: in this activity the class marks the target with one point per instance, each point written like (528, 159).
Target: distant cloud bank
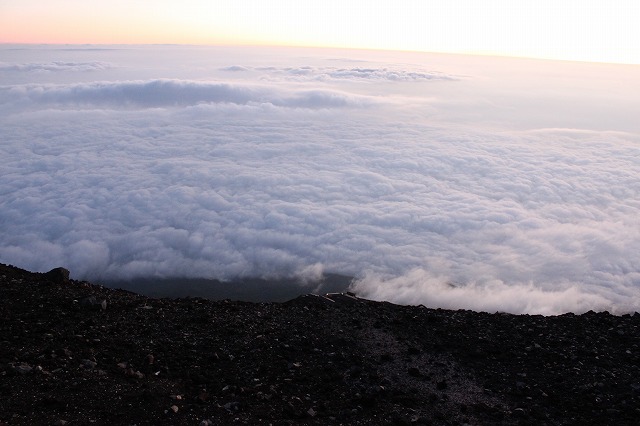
(173, 93)
(352, 74)
(56, 66)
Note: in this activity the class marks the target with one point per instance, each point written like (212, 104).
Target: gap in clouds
(172, 178)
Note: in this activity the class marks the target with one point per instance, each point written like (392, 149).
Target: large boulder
(57, 275)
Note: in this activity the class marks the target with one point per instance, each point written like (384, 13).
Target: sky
(455, 181)
(577, 30)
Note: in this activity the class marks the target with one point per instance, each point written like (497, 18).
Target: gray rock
(23, 368)
(93, 302)
(232, 406)
(87, 363)
(519, 412)
(89, 301)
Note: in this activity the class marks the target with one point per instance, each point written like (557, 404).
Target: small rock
(203, 396)
(23, 368)
(88, 302)
(414, 372)
(519, 412)
(399, 419)
(136, 374)
(174, 408)
(231, 406)
(312, 412)
(386, 358)
(87, 363)
(413, 350)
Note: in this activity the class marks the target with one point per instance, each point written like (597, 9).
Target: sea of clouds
(456, 182)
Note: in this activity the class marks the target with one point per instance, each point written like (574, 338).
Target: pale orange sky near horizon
(582, 30)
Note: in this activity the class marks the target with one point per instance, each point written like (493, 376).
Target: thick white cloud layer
(418, 187)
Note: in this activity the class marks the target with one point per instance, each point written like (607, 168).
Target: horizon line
(291, 46)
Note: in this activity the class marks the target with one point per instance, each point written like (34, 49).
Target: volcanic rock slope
(81, 354)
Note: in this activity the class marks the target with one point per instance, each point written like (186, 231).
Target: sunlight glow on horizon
(580, 30)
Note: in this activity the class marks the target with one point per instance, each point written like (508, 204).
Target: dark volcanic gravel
(76, 353)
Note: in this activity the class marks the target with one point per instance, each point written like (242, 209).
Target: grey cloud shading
(234, 68)
(356, 74)
(171, 93)
(183, 178)
(56, 66)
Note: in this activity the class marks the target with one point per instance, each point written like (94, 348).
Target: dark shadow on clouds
(247, 289)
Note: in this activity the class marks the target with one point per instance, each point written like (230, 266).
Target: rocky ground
(76, 353)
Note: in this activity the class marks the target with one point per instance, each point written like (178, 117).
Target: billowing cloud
(171, 93)
(340, 75)
(55, 66)
(306, 73)
(234, 68)
(186, 178)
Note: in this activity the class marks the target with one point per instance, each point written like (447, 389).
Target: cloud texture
(55, 66)
(170, 93)
(172, 177)
(310, 73)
